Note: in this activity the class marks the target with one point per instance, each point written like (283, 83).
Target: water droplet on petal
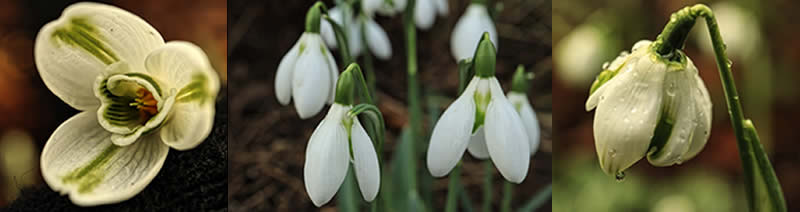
(620, 176)
(605, 65)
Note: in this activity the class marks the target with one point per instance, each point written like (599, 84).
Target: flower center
(145, 103)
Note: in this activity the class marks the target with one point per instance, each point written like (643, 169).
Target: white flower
(377, 39)
(383, 7)
(336, 142)
(138, 96)
(425, 12)
(482, 110)
(650, 107)
(468, 30)
(307, 74)
(477, 144)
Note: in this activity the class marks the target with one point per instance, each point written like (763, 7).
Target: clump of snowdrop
(307, 73)
(339, 140)
(138, 96)
(468, 29)
(481, 110)
(360, 27)
(647, 105)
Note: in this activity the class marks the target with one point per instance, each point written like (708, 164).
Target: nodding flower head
(482, 110)
(468, 30)
(647, 105)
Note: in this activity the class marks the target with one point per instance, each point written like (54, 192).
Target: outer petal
(309, 82)
(452, 133)
(424, 14)
(326, 159)
(283, 79)
(680, 108)
(377, 40)
(703, 103)
(333, 70)
(506, 139)
(71, 51)
(468, 31)
(477, 145)
(80, 160)
(441, 7)
(188, 71)
(365, 162)
(523, 106)
(627, 114)
(326, 30)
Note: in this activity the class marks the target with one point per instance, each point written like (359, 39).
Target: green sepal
(313, 17)
(485, 57)
(520, 82)
(345, 88)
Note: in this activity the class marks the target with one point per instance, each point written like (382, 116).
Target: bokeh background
(268, 141)
(762, 43)
(29, 112)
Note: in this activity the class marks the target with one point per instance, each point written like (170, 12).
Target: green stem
(453, 189)
(368, 61)
(487, 186)
(755, 163)
(341, 40)
(505, 204)
(415, 112)
(312, 16)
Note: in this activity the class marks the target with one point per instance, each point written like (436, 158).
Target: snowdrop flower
(336, 142)
(481, 110)
(468, 29)
(425, 12)
(648, 105)
(518, 98)
(376, 38)
(383, 7)
(307, 73)
(138, 96)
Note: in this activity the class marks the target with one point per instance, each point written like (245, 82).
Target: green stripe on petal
(89, 176)
(82, 34)
(195, 90)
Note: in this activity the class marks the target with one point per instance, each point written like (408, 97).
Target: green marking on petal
(78, 32)
(148, 79)
(91, 175)
(196, 90)
(481, 103)
(302, 48)
(348, 126)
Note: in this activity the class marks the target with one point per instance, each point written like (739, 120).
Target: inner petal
(129, 101)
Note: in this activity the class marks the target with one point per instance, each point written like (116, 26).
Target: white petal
(377, 40)
(188, 125)
(185, 67)
(468, 31)
(703, 103)
(441, 7)
(424, 14)
(451, 134)
(327, 159)
(681, 108)
(334, 75)
(528, 116)
(627, 114)
(326, 30)
(506, 139)
(72, 51)
(80, 160)
(354, 39)
(283, 79)
(371, 6)
(477, 145)
(310, 82)
(365, 162)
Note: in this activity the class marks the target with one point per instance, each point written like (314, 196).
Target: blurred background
(29, 112)
(762, 43)
(268, 141)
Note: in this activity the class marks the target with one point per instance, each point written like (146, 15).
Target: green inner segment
(481, 104)
(80, 33)
(196, 90)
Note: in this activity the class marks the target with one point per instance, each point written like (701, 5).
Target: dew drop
(620, 176)
(612, 153)
(633, 110)
(605, 65)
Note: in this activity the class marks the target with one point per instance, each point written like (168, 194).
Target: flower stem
(505, 204)
(415, 119)
(453, 189)
(487, 186)
(757, 169)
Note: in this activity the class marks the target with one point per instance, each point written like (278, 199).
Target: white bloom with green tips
(138, 96)
(336, 142)
(649, 106)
